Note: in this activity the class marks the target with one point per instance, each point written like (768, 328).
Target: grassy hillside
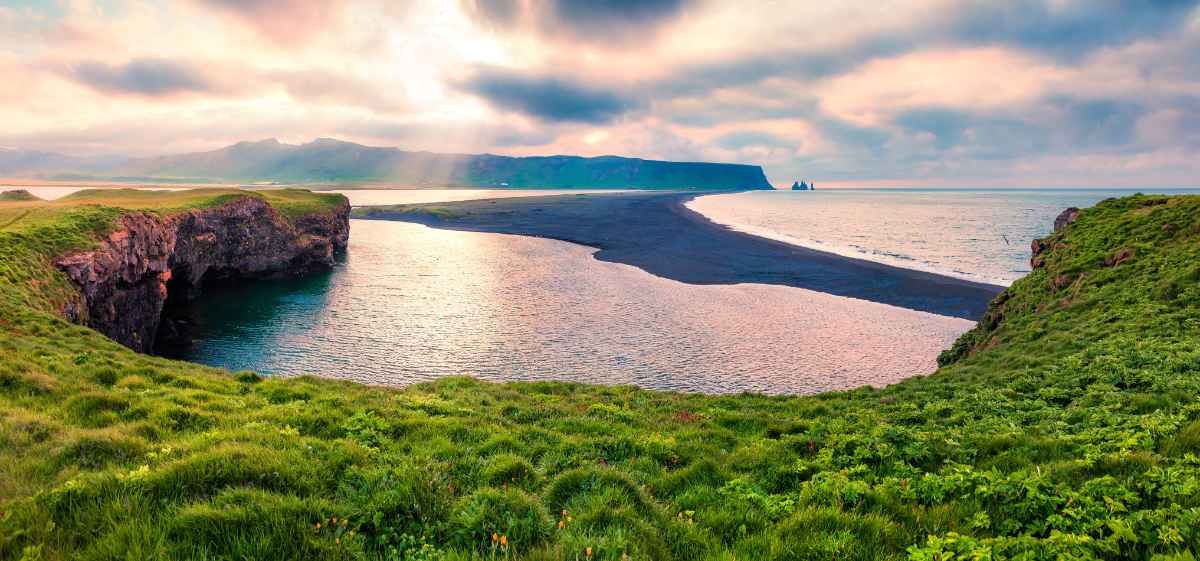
(17, 195)
(1065, 426)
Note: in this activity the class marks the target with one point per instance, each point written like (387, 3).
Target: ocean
(412, 303)
(976, 234)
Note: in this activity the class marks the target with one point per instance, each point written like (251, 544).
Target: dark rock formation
(1038, 247)
(149, 258)
(1066, 218)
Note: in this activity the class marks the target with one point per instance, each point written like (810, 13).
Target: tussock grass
(1066, 425)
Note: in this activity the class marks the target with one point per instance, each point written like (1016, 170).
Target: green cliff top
(17, 195)
(33, 232)
(1065, 426)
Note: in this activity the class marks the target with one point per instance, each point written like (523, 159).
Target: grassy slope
(1070, 429)
(17, 195)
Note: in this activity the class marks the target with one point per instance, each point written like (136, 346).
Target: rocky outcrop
(148, 258)
(1039, 247)
(1066, 218)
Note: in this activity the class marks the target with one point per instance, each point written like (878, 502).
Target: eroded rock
(127, 279)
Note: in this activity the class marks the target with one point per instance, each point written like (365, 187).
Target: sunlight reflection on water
(412, 303)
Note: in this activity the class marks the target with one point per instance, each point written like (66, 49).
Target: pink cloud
(288, 22)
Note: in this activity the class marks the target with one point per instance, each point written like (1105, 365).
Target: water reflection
(412, 303)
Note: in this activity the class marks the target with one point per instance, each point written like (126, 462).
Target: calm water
(981, 235)
(412, 303)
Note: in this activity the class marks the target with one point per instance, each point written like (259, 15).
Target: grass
(33, 232)
(384, 210)
(1065, 426)
(17, 195)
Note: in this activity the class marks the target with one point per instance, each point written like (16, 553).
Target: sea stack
(800, 186)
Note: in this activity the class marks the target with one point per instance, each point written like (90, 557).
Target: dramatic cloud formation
(894, 92)
(551, 99)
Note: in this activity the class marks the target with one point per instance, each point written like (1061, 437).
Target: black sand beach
(657, 233)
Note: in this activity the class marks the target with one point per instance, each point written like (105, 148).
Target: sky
(874, 93)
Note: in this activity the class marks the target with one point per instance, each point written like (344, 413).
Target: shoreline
(849, 252)
(656, 232)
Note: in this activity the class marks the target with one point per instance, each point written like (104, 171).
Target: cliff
(1125, 262)
(151, 257)
(328, 160)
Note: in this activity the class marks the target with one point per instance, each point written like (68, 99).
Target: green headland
(1065, 426)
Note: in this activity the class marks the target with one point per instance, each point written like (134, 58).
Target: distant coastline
(327, 160)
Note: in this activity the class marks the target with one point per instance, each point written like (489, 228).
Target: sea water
(976, 234)
(411, 303)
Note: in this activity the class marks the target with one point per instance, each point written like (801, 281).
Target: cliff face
(126, 281)
(333, 160)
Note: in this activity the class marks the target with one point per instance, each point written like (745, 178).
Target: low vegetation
(1065, 426)
(17, 195)
(384, 210)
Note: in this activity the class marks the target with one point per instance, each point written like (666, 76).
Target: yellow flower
(562, 524)
(495, 537)
(503, 540)
(588, 551)
(317, 525)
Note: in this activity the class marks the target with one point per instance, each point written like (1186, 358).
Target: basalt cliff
(127, 279)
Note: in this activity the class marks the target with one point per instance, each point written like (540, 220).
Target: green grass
(33, 233)
(383, 210)
(17, 195)
(1065, 426)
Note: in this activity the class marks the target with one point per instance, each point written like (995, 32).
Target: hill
(32, 162)
(327, 160)
(18, 195)
(1065, 426)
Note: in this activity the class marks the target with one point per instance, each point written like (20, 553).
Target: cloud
(599, 21)
(1067, 29)
(144, 76)
(947, 126)
(327, 87)
(548, 98)
(501, 14)
(741, 139)
(1096, 124)
(1055, 124)
(287, 22)
(920, 90)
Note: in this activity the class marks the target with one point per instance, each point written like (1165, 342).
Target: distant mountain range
(326, 160)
